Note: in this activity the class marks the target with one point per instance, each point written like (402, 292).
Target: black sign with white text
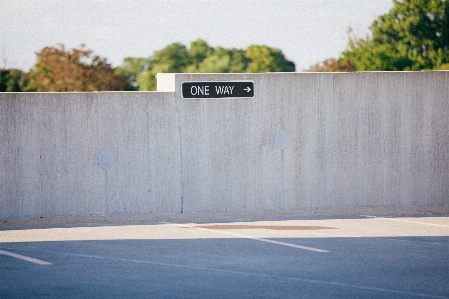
(217, 89)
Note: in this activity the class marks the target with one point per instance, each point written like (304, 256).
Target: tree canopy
(266, 59)
(413, 35)
(202, 58)
(11, 80)
(58, 69)
(129, 70)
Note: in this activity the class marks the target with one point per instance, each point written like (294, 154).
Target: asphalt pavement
(358, 257)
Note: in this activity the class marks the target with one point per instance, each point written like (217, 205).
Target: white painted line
(417, 222)
(289, 245)
(414, 241)
(264, 275)
(266, 240)
(25, 258)
(409, 221)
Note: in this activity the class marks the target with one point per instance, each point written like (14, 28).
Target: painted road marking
(289, 244)
(405, 220)
(264, 275)
(25, 258)
(416, 222)
(265, 240)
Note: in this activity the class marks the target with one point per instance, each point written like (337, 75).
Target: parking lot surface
(362, 256)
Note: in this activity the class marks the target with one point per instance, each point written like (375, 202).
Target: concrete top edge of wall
(78, 92)
(92, 95)
(166, 82)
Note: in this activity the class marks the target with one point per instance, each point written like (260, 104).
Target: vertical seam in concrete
(180, 111)
(106, 206)
(329, 145)
(15, 106)
(106, 186)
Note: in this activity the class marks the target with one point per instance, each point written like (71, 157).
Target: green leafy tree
(172, 59)
(413, 35)
(130, 69)
(202, 58)
(147, 80)
(59, 70)
(198, 52)
(11, 80)
(266, 59)
(224, 61)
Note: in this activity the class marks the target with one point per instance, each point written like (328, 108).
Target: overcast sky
(307, 31)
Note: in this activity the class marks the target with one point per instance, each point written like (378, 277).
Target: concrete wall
(305, 141)
(50, 144)
(355, 140)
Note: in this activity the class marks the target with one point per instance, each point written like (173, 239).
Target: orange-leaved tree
(59, 70)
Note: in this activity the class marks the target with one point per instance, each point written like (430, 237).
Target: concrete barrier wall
(355, 140)
(50, 147)
(305, 141)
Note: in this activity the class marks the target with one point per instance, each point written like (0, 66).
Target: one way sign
(217, 89)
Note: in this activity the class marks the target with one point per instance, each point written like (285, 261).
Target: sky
(306, 31)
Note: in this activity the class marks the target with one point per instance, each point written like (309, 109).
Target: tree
(202, 58)
(172, 59)
(332, 65)
(76, 70)
(224, 61)
(198, 52)
(146, 80)
(130, 69)
(266, 59)
(413, 35)
(11, 80)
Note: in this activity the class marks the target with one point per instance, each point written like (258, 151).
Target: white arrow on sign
(247, 89)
